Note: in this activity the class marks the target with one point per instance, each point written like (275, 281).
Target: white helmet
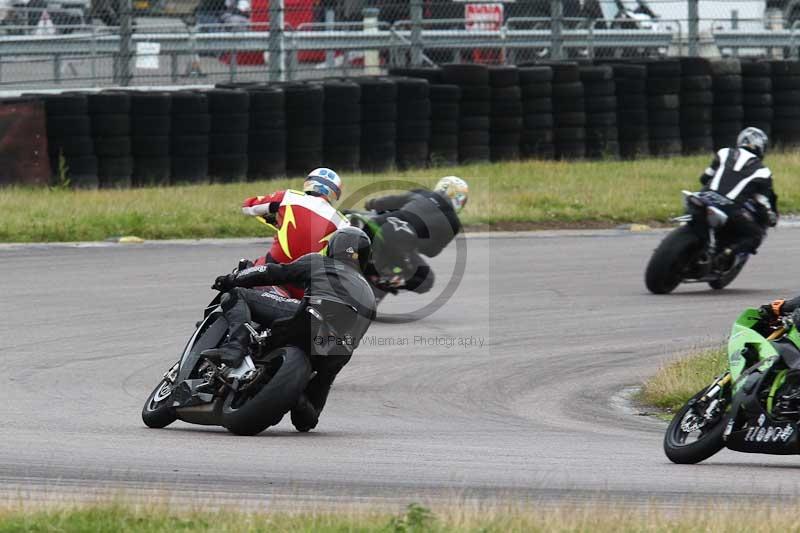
(455, 189)
(754, 140)
(325, 183)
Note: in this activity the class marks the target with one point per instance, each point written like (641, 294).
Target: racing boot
(232, 352)
(304, 415)
(724, 260)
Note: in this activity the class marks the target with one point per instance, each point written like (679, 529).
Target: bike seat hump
(788, 352)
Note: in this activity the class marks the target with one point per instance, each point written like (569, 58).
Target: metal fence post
(372, 58)
(416, 32)
(57, 68)
(330, 25)
(94, 53)
(556, 29)
(276, 41)
(124, 74)
(694, 28)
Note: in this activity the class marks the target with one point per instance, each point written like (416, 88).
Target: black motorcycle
(691, 253)
(257, 394)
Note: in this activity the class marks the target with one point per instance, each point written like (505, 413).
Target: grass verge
(588, 518)
(679, 380)
(532, 194)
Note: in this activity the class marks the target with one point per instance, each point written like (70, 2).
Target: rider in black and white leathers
(739, 174)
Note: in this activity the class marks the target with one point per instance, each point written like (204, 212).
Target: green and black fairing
(763, 416)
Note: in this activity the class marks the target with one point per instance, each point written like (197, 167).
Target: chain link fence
(82, 43)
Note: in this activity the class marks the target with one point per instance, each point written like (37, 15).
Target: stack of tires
(342, 136)
(536, 140)
(757, 95)
(445, 110)
(189, 132)
(230, 125)
(378, 123)
(305, 104)
(569, 111)
(150, 129)
(69, 138)
(433, 75)
(663, 107)
(109, 112)
(786, 102)
(697, 98)
(505, 120)
(473, 137)
(631, 86)
(266, 144)
(602, 136)
(728, 112)
(413, 122)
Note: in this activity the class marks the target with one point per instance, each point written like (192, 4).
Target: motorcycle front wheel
(727, 278)
(691, 438)
(158, 412)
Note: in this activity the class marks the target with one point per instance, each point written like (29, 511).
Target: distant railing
(396, 44)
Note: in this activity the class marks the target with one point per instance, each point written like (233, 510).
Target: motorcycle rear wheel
(253, 414)
(670, 259)
(708, 442)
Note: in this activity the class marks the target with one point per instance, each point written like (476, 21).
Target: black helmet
(350, 245)
(753, 140)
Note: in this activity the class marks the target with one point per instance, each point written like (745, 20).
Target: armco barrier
(419, 117)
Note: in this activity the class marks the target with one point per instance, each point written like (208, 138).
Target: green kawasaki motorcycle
(754, 407)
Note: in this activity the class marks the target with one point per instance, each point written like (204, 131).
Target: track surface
(566, 324)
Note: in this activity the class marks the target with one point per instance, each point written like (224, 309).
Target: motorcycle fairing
(751, 429)
(743, 342)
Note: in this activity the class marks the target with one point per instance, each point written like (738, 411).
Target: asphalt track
(532, 413)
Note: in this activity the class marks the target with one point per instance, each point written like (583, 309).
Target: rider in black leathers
(407, 225)
(739, 174)
(335, 278)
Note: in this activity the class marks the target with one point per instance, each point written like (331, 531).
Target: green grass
(503, 196)
(588, 518)
(679, 380)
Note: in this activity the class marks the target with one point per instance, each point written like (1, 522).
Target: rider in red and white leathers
(305, 220)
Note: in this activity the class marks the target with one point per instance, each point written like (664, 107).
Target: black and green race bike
(754, 406)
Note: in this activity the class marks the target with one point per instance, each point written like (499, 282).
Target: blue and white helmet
(323, 182)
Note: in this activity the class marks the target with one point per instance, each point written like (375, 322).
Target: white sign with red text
(484, 16)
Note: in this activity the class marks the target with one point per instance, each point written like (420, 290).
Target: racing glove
(773, 310)
(224, 283)
(772, 218)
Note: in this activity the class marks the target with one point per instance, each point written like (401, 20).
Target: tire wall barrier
(412, 118)
(696, 99)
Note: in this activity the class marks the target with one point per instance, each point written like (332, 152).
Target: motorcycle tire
(276, 397)
(728, 277)
(158, 412)
(671, 257)
(709, 443)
